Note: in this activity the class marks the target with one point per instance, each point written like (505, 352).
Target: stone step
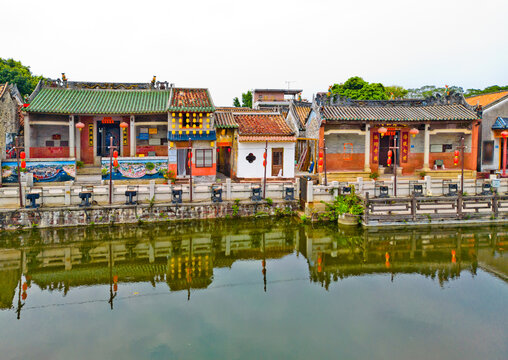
(88, 179)
(89, 170)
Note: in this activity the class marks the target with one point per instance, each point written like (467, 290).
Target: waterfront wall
(129, 214)
(68, 195)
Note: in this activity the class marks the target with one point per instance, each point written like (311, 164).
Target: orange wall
(337, 162)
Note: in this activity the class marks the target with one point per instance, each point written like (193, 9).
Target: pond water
(253, 289)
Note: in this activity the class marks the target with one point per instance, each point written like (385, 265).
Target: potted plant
(374, 175)
(422, 174)
(345, 209)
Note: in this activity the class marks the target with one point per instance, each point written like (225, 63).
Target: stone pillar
(426, 149)
(72, 142)
(132, 132)
(27, 135)
(366, 166)
(228, 189)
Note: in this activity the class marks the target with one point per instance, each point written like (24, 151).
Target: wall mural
(136, 169)
(43, 171)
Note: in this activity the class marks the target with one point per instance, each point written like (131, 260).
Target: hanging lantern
(23, 165)
(390, 153)
(211, 143)
(382, 130)
(173, 114)
(124, 125)
(320, 162)
(504, 134)
(223, 132)
(200, 132)
(22, 155)
(218, 149)
(189, 163)
(171, 144)
(80, 126)
(264, 163)
(200, 114)
(456, 153)
(264, 155)
(115, 163)
(389, 161)
(229, 149)
(115, 154)
(414, 131)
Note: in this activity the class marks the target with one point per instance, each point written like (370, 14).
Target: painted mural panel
(136, 169)
(43, 171)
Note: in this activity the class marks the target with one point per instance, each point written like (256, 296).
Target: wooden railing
(416, 209)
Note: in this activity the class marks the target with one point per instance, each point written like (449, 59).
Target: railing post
(310, 191)
(413, 206)
(366, 209)
(495, 207)
(459, 205)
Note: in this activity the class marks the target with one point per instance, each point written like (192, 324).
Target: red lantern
(189, 163)
(80, 126)
(390, 153)
(321, 154)
(218, 149)
(320, 162)
(115, 154)
(414, 132)
(229, 149)
(190, 154)
(504, 134)
(264, 163)
(23, 164)
(382, 130)
(456, 153)
(124, 125)
(22, 155)
(115, 163)
(389, 161)
(264, 156)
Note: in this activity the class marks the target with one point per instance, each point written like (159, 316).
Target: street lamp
(504, 134)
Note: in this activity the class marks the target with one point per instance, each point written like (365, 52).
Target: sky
(233, 46)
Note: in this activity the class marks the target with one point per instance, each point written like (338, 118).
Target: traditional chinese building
(192, 133)
(494, 121)
(355, 146)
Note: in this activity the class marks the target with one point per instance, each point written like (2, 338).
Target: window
(488, 152)
(204, 158)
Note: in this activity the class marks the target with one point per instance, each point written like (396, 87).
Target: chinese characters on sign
(405, 147)
(375, 148)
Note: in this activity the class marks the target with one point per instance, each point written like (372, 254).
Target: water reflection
(184, 256)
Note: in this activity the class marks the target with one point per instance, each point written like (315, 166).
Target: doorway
(385, 143)
(182, 162)
(104, 134)
(277, 162)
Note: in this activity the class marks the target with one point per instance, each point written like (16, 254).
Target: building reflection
(184, 256)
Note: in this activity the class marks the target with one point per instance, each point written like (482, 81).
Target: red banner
(375, 148)
(404, 147)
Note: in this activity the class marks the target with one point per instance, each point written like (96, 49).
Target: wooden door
(277, 161)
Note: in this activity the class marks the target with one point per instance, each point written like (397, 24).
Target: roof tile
(190, 100)
(262, 124)
(486, 99)
(74, 101)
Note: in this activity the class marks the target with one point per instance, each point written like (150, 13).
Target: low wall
(127, 214)
(160, 193)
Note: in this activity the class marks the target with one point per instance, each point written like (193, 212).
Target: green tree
(246, 100)
(14, 72)
(430, 90)
(396, 92)
(488, 89)
(359, 89)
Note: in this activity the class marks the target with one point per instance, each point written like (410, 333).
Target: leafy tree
(396, 92)
(488, 89)
(13, 71)
(359, 89)
(246, 100)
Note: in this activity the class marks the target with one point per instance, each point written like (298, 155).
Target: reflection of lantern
(23, 296)
(25, 286)
(414, 132)
(22, 155)
(382, 130)
(454, 258)
(115, 287)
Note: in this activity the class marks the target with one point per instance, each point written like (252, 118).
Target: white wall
(255, 169)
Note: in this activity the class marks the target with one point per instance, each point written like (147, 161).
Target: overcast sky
(233, 46)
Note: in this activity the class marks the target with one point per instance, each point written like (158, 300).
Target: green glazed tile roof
(77, 101)
(190, 100)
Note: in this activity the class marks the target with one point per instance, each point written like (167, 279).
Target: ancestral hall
(423, 134)
(154, 127)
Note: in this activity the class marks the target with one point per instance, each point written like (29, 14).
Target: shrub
(79, 164)
(374, 175)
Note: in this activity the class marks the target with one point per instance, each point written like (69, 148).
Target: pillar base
(367, 169)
